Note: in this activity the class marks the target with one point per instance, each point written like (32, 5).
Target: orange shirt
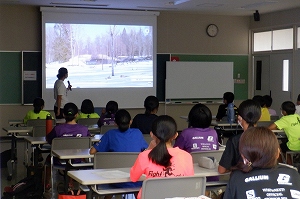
(182, 165)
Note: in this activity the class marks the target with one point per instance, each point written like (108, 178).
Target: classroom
(181, 35)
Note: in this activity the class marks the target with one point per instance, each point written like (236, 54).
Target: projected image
(100, 56)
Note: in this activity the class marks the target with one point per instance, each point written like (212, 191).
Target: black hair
(289, 107)
(199, 116)
(70, 111)
(87, 106)
(122, 119)
(151, 103)
(250, 111)
(38, 104)
(164, 128)
(260, 100)
(229, 97)
(268, 100)
(298, 98)
(111, 108)
(62, 72)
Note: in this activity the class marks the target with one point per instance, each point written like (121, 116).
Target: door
(261, 75)
(280, 66)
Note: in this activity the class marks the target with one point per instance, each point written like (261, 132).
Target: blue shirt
(114, 140)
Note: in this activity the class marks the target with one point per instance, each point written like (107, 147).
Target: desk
(15, 133)
(15, 122)
(105, 176)
(223, 124)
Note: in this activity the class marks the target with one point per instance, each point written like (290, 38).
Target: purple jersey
(68, 130)
(197, 139)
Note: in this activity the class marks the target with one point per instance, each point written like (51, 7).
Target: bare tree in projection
(112, 33)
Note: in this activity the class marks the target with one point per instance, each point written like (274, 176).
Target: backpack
(25, 188)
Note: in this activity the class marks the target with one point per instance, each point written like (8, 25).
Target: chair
(105, 128)
(87, 121)
(264, 123)
(217, 154)
(39, 127)
(61, 143)
(147, 137)
(161, 188)
(107, 160)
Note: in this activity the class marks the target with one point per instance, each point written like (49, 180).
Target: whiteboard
(195, 80)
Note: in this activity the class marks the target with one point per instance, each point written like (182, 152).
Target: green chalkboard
(10, 77)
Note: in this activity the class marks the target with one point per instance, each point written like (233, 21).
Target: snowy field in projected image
(131, 74)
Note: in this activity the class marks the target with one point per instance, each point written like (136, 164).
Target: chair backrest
(87, 121)
(39, 127)
(71, 143)
(274, 117)
(161, 188)
(106, 160)
(105, 128)
(265, 123)
(147, 137)
(217, 154)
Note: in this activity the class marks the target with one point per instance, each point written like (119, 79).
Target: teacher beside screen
(60, 92)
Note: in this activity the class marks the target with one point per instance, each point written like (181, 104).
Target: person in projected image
(60, 93)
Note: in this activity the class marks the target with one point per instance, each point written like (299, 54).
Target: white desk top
(42, 140)
(106, 176)
(72, 153)
(19, 129)
(224, 124)
(14, 122)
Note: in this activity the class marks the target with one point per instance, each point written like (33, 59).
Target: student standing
(290, 123)
(144, 121)
(249, 113)
(258, 175)
(37, 112)
(161, 159)
(87, 110)
(60, 93)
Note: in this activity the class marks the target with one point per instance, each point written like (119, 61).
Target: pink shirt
(182, 165)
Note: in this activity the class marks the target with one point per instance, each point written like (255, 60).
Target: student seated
(108, 114)
(161, 157)
(290, 123)
(68, 129)
(249, 113)
(222, 114)
(268, 99)
(144, 121)
(123, 139)
(37, 112)
(258, 174)
(87, 110)
(265, 115)
(298, 105)
(198, 136)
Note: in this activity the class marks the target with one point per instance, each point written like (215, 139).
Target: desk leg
(89, 194)
(66, 177)
(12, 158)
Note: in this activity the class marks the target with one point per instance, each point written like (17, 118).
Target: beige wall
(177, 33)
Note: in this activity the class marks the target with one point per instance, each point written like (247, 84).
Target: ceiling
(214, 7)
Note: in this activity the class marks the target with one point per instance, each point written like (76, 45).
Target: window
(262, 41)
(274, 40)
(285, 76)
(298, 37)
(283, 39)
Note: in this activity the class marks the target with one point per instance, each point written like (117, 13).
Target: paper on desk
(112, 174)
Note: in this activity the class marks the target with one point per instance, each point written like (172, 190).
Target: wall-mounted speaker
(256, 16)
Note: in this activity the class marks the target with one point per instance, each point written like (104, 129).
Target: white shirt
(60, 89)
